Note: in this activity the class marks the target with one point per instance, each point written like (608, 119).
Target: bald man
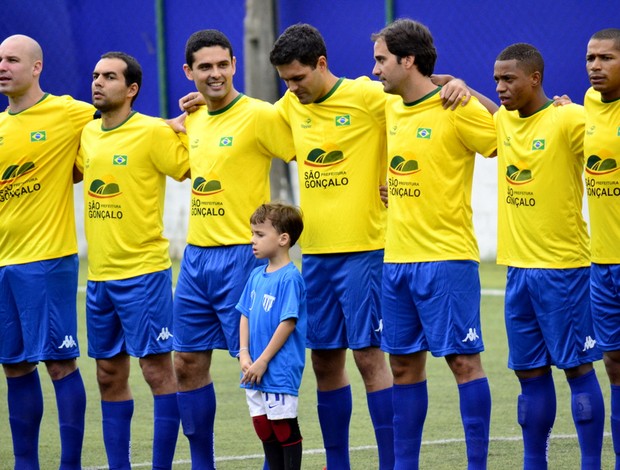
(39, 138)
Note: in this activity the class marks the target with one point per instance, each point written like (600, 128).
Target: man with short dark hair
(125, 158)
(602, 152)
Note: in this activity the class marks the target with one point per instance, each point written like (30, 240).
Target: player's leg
(455, 306)
(588, 409)
(204, 315)
(529, 357)
(24, 394)
(403, 338)
(562, 298)
(158, 371)
(605, 302)
(39, 296)
(25, 403)
(334, 404)
(106, 343)
(378, 381)
(536, 409)
(117, 406)
(359, 289)
(144, 305)
(475, 406)
(71, 405)
(410, 405)
(328, 342)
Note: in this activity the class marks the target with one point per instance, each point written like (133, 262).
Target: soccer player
(543, 239)
(431, 285)
(232, 141)
(39, 139)
(125, 158)
(338, 127)
(602, 152)
(272, 332)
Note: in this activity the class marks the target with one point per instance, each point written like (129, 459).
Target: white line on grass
(489, 292)
(352, 449)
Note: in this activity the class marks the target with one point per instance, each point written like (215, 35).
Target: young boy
(273, 335)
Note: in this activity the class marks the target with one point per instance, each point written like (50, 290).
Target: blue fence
(468, 34)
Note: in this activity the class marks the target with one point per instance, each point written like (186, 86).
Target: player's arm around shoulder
(169, 151)
(273, 132)
(476, 127)
(573, 121)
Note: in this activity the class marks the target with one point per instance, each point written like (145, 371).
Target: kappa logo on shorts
(380, 329)
(471, 335)
(589, 343)
(164, 334)
(68, 343)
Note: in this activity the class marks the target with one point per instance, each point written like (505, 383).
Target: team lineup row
(401, 279)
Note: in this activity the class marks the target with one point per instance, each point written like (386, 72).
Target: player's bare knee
(60, 369)
(465, 367)
(287, 431)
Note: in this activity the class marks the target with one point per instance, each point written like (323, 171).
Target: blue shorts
(343, 292)
(432, 306)
(130, 315)
(605, 296)
(38, 311)
(208, 289)
(548, 320)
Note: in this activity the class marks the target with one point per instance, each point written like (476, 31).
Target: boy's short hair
(284, 218)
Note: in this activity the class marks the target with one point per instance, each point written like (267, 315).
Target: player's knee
(582, 407)
(263, 428)
(287, 431)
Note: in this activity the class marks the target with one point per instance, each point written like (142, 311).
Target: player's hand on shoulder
(453, 93)
(561, 100)
(191, 102)
(178, 123)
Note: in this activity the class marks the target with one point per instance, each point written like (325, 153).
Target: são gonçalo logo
(400, 165)
(206, 187)
(323, 157)
(516, 176)
(101, 190)
(600, 166)
(15, 171)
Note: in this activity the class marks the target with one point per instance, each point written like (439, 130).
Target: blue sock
(536, 414)
(475, 404)
(588, 410)
(71, 403)
(197, 410)
(615, 422)
(166, 430)
(410, 407)
(382, 416)
(117, 433)
(334, 409)
(25, 412)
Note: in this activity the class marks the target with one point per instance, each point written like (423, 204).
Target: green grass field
(238, 448)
